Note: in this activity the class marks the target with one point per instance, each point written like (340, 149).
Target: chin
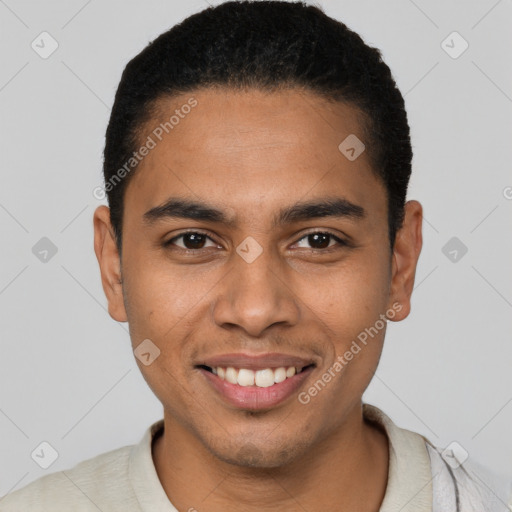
(251, 455)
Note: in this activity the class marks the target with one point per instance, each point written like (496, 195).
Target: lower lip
(253, 397)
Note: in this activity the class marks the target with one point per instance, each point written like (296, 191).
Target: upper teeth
(261, 378)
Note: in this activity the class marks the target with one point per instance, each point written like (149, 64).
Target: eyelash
(169, 243)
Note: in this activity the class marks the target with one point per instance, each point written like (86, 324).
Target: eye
(191, 241)
(194, 241)
(321, 240)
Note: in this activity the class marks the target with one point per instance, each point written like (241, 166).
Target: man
(257, 242)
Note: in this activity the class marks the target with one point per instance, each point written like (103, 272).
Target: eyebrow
(180, 208)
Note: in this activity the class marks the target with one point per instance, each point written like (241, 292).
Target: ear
(406, 252)
(110, 263)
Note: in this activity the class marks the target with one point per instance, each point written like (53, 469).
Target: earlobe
(406, 252)
(110, 264)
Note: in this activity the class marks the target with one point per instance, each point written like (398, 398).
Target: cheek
(351, 297)
(163, 308)
(351, 308)
(159, 299)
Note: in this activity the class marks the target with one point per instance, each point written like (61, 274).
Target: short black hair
(267, 45)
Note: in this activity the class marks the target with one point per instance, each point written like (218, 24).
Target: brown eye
(190, 241)
(194, 240)
(320, 240)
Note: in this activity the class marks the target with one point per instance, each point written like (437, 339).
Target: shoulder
(87, 486)
(455, 481)
(467, 485)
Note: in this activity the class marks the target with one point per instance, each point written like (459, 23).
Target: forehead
(243, 148)
(225, 121)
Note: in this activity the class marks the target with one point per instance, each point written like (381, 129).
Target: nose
(257, 295)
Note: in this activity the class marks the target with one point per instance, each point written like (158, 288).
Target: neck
(348, 468)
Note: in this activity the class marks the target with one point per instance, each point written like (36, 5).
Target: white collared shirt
(419, 480)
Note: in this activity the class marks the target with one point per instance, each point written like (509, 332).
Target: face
(255, 259)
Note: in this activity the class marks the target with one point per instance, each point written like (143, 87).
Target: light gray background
(67, 373)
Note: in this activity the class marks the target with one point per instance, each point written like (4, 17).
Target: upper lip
(256, 361)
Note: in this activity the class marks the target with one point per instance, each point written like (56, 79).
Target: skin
(250, 154)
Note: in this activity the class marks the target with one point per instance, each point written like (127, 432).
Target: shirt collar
(143, 475)
(409, 487)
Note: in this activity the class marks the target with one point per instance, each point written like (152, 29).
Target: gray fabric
(469, 487)
(125, 480)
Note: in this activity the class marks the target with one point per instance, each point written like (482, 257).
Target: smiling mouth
(260, 378)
